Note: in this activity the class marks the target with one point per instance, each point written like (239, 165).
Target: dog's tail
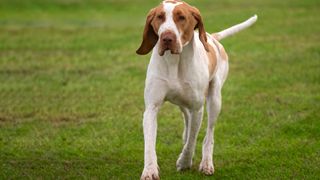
(234, 29)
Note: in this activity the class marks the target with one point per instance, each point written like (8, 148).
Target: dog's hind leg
(213, 110)
(185, 158)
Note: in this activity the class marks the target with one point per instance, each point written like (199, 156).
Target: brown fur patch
(155, 18)
(160, 17)
(220, 48)
(188, 18)
(185, 21)
(212, 59)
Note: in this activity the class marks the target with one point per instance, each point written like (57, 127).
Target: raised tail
(234, 29)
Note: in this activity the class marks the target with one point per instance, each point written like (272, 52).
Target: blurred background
(71, 91)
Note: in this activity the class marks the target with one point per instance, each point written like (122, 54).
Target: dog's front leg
(154, 95)
(150, 170)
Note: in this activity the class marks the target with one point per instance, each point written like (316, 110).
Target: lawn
(71, 91)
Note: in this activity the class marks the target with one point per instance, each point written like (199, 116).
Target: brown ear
(200, 26)
(150, 38)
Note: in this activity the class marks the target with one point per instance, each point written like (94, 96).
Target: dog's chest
(184, 78)
(185, 93)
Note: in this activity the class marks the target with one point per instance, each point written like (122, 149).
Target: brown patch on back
(220, 48)
(212, 59)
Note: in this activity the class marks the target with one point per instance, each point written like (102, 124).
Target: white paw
(206, 167)
(183, 163)
(150, 173)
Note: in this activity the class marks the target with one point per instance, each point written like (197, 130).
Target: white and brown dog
(186, 68)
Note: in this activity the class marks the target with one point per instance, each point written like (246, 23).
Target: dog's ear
(150, 38)
(202, 32)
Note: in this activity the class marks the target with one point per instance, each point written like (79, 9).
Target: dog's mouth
(167, 48)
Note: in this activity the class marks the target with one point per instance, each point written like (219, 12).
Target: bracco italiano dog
(187, 68)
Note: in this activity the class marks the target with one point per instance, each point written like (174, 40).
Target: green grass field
(71, 91)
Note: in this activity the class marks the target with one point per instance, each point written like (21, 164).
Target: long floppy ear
(200, 26)
(150, 38)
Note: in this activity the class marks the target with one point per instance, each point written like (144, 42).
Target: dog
(188, 66)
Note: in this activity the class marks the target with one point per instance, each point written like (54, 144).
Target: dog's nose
(167, 40)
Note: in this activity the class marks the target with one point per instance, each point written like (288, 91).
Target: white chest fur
(184, 77)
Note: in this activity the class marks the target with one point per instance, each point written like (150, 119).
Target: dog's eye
(160, 16)
(182, 18)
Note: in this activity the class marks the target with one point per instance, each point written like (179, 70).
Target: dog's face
(171, 24)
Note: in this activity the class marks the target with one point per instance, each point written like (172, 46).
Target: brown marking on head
(212, 59)
(155, 18)
(187, 19)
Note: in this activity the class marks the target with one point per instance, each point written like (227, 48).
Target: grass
(71, 92)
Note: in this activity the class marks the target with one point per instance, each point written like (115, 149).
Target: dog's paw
(206, 167)
(150, 173)
(183, 163)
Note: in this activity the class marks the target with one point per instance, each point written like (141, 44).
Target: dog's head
(171, 24)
